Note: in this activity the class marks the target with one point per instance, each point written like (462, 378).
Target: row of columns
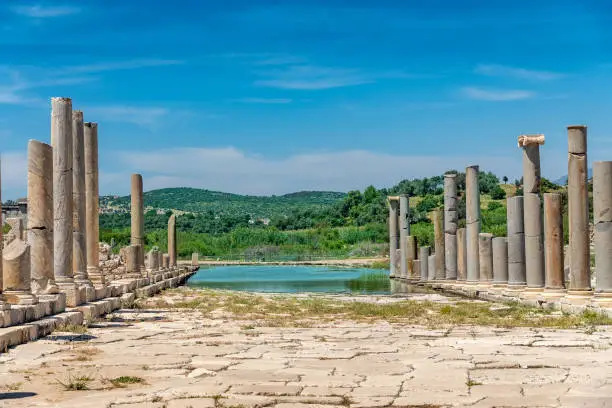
(60, 251)
(529, 262)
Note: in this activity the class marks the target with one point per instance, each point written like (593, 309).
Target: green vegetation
(75, 383)
(300, 226)
(125, 380)
(273, 311)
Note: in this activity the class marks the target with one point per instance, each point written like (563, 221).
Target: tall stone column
(516, 244)
(393, 232)
(438, 222)
(500, 261)
(472, 223)
(424, 257)
(461, 255)
(450, 226)
(532, 213)
(485, 254)
(578, 207)
(40, 217)
(138, 217)
(404, 231)
(553, 240)
(61, 137)
(92, 220)
(16, 282)
(172, 240)
(602, 214)
(79, 222)
(412, 255)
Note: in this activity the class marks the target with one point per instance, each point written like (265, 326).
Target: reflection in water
(292, 279)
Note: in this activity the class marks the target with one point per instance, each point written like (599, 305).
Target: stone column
(94, 273)
(138, 217)
(79, 222)
(194, 259)
(438, 223)
(516, 243)
(61, 137)
(16, 282)
(412, 255)
(602, 214)
(578, 208)
(431, 267)
(424, 257)
(166, 261)
(40, 217)
(393, 232)
(500, 261)
(132, 259)
(153, 261)
(553, 240)
(160, 260)
(172, 240)
(450, 226)
(532, 213)
(404, 231)
(16, 224)
(461, 255)
(485, 254)
(472, 222)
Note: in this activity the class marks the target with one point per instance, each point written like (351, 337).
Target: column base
(551, 294)
(603, 299)
(72, 292)
(95, 276)
(19, 297)
(514, 291)
(578, 297)
(531, 293)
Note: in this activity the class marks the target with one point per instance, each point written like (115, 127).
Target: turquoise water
(293, 279)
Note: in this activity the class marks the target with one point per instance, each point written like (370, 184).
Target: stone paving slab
(187, 360)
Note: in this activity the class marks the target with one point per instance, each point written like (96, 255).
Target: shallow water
(293, 279)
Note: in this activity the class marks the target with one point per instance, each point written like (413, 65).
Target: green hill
(200, 201)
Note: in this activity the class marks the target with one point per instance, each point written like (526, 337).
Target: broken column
(500, 261)
(138, 218)
(532, 213)
(132, 260)
(153, 261)
(172, 240)
(79, 222)
(602, 217)
(424, 257)
(16, 282)
(40, 217)
(61, 138)
(450, 226)
(90, 136)
(438, 222)
(16, 224)
(393, 235)
(166, 261)
(461, 255)
(472, 222)
(579, 287)
(516, 244)
(194, 259)
(412, 255)
(485, 254)
(404, 231)
(553, 245)
(431, 267)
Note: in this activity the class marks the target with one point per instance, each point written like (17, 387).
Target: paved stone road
(190, 362)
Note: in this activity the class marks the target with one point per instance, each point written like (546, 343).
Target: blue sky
(270, 97)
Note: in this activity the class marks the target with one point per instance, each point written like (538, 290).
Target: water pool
(293, 279)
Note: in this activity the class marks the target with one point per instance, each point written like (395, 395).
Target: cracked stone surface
(186, 360)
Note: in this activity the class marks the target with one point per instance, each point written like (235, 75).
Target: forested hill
(201, 201)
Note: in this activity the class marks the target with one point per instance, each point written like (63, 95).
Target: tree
(505, 179)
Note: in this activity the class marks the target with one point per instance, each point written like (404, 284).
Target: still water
(293, 279)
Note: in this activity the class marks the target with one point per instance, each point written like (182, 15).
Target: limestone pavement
(188, 360)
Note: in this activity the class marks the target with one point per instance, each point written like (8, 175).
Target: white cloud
(274, 101)
(232, 170)
(311, 77)
(514, 72)
(141, 116)
(118, 65)
(37, 11)
(485, 94)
